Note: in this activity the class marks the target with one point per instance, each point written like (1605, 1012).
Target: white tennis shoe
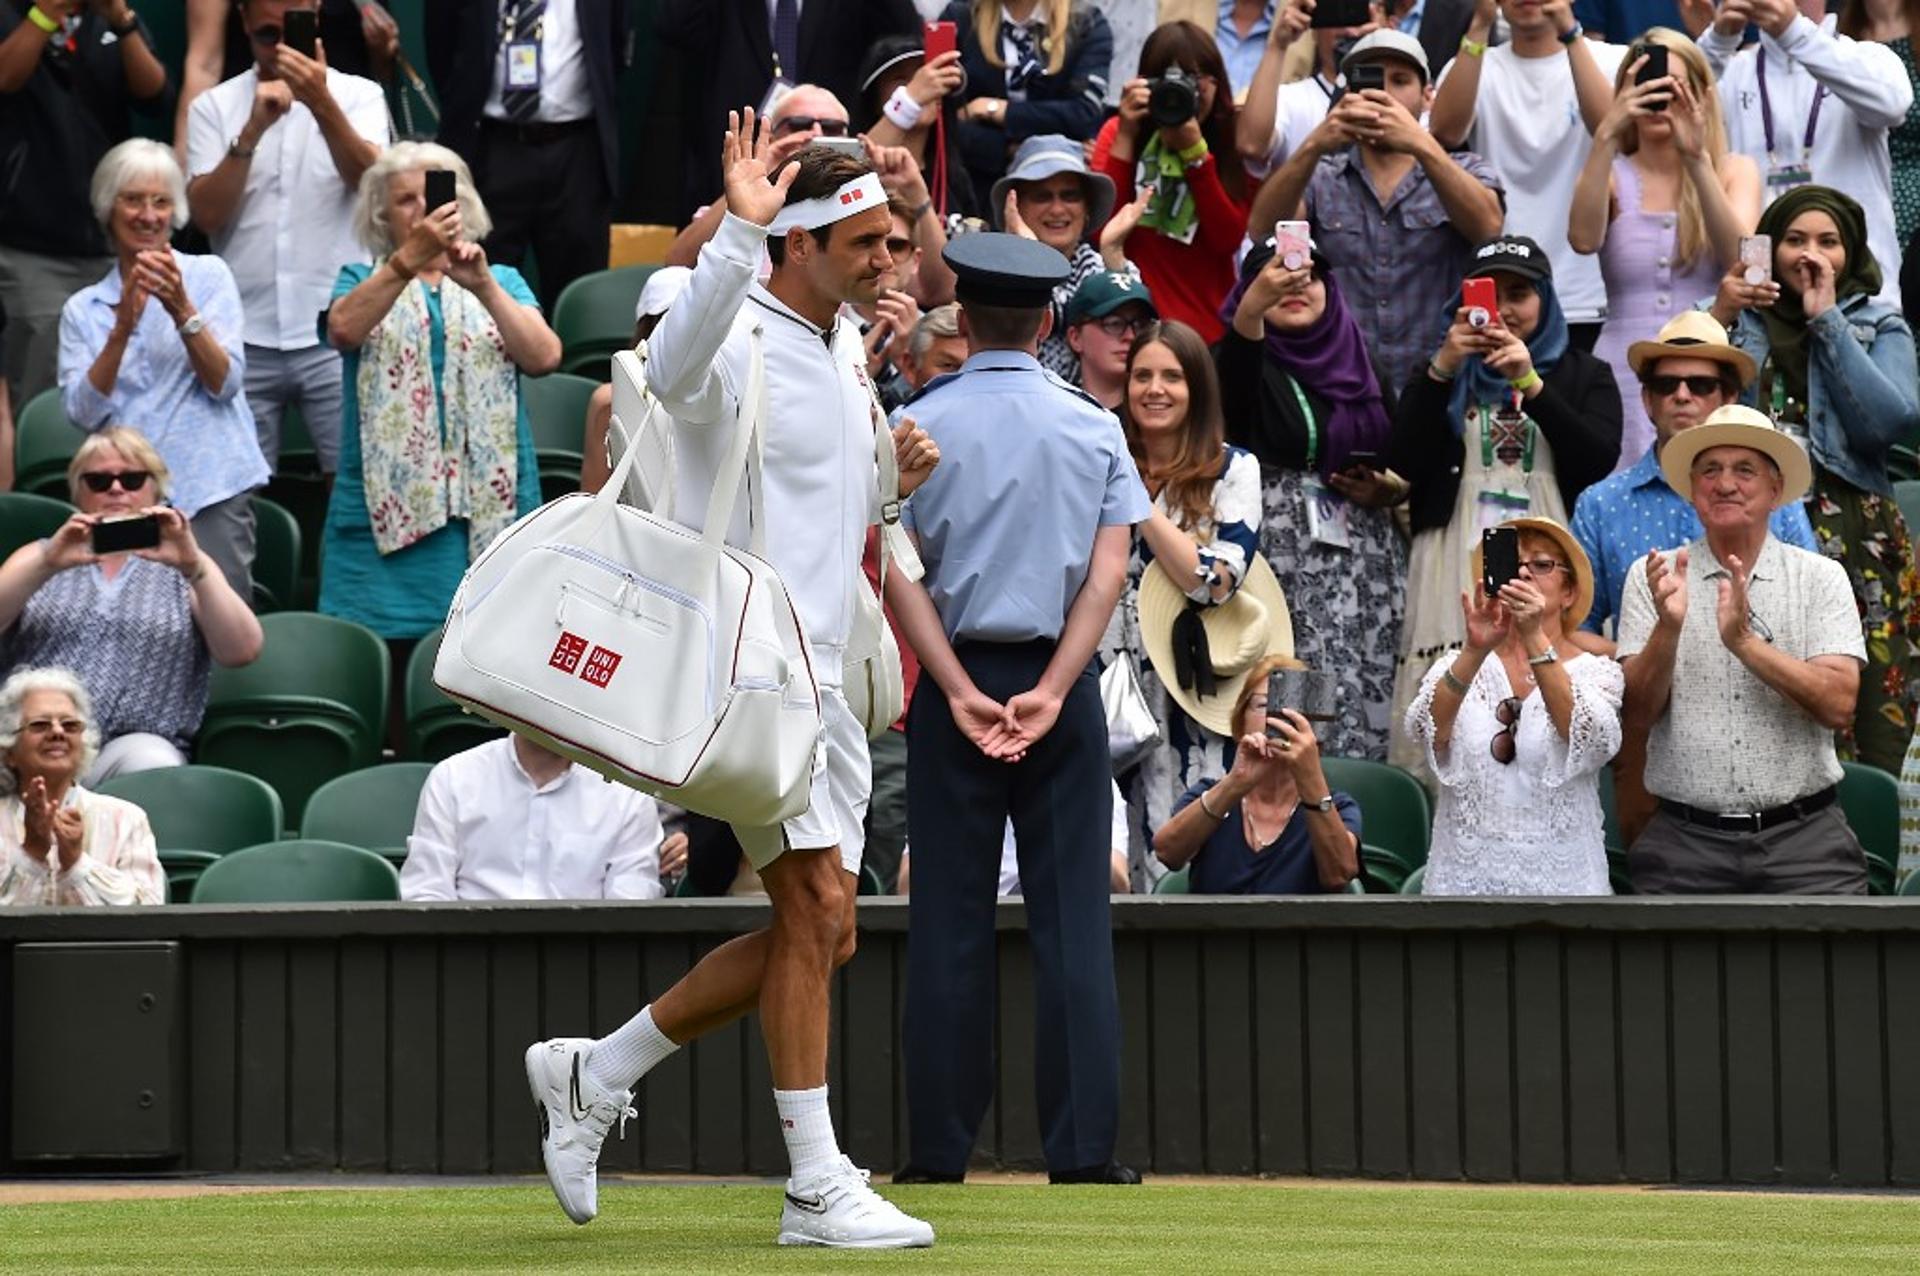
(841, 1210)
(575, 1114)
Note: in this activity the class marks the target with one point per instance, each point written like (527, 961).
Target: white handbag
(874, 684)
(656, 655)
(1131, 729)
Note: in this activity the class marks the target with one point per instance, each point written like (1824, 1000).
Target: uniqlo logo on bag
(567, 652)
(600, 666)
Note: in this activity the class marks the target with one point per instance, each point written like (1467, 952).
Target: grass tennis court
(1177, 1230)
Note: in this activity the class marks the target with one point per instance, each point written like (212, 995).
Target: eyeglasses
(1544, 566)
(801, 123)
(1507, 714)
(1117, 326)
(1698, 387)
(104, 480)
(40, 726)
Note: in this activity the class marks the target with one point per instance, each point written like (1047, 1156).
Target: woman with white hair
(157, 345)
(436, 453)
(62, 844)
(136, 628)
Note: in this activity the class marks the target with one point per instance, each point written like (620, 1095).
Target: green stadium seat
(1871, 800)
(437, 727)
(870, 883)
(276, 557)
(44, 442)
(557, 410)
(1911, 886)
(300, 871)
(593, 318)
(202, 808)
(1617, 872)
(312, 707)
(25, 518)
(1615, 839)
(1382, 869)
(1903, 462)
(1395, 815)
(1415, 880)
(183, 868)
(304, 496)
(372, 808)
(1175, 883)
(298, 455)
(1354, 886)
(1906, 494)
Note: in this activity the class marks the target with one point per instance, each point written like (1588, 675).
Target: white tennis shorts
(841, 787)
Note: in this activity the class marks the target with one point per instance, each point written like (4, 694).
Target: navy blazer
(463, 47)
(1073, 102)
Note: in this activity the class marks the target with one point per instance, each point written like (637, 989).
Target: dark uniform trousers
(1061, 800)
(546, 189)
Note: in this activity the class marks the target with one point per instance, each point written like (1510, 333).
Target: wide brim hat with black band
(1577, 562)
(1692, 334)
(1252, 624)
(1737, 425)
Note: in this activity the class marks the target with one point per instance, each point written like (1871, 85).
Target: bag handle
(609, 494)
(726, 480)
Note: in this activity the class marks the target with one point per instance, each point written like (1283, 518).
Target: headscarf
(1330, 359)
(1477, 383)
(1786, 319)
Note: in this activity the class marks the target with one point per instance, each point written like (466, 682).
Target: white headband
(857, 196)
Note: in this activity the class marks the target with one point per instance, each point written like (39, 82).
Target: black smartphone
(1655, 68)
(300, 31)
(118, 535)
(441, 190)
(1340, 13)
(1368, 75)
(1499, 557)
(1361, 459)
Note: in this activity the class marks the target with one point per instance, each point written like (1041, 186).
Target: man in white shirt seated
(511, 820)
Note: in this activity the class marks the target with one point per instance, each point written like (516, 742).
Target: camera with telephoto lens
(1172, 98)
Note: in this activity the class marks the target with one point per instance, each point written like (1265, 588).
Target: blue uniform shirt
(1030, 470)
(1624, 515)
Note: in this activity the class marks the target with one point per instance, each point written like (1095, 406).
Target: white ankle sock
(807, 1126)
(629, 1052)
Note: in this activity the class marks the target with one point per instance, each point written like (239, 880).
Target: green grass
(1175, 1230)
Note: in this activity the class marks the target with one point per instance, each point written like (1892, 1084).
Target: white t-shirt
(1527, 124)
(1297, 111)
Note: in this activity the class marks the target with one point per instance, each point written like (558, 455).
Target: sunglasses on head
(1698, 387)
(801, 123)
(103, 480)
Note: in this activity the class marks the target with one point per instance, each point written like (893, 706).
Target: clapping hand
(1125, 218)
(37, 811)
(1488, 620)
(754, 194)
(70, 835)
(1733, 611)
(158, 274)
(1669, 587)
(1013, 222)
(915, 453)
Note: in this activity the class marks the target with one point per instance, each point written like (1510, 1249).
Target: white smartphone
(845, 145)
(1756, 255)
(1293, 241)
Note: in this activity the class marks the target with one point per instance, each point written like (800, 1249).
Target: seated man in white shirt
(274, 159)
(511, 820)
(1119, 876)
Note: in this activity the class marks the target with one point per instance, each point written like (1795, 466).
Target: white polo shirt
(293, 229)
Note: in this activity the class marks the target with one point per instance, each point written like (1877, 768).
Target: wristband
(1527, 382)
(926, 206)
(131, 25)
(1433, 370)
(1569, 36)
(1193, 154)
(42, 21)
(1472, 48)
(902, 110)
(238, 151)
(1453, 683)
(1202, 800)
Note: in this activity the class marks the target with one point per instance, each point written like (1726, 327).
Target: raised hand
(70, 835)
(272, 99)
(1732, 16)
(935, 79)
(467, 266)
(380, 31)
(177, 548)
(899, 172)
(1525, 603)
(1689, 116)
(915, 452)
(1488, 621)
(71, 545)
(1125, 218)
(305, 77)
(38, 812)
(1297, 746)
(1669, 587)
(754, 194)
(1013, 222)
(1291, 23)
(1816, 284)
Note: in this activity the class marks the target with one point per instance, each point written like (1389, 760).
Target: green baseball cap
(1104, 292)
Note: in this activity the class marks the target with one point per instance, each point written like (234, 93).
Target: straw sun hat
(1249, 626)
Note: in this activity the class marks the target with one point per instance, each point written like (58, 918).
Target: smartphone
(300, 31)
(938, 38)
(1308, 692)
(845, 145)
(1293, 241)
(1340, 13)
(1482, 300)
(1499, 557)
(1655, 68)
(1360, 459)
(1756, 254)
(1368, 75)
(118, 535)
(441, 188)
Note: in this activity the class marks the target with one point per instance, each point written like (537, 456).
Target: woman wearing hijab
(1837, 370)
(1508, 421)
(1301, 394)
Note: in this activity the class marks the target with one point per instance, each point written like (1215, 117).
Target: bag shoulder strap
(894, 541)
(745, 443)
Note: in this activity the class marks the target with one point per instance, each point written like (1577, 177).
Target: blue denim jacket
(1862, 380)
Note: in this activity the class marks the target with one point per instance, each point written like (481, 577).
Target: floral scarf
(420, 472)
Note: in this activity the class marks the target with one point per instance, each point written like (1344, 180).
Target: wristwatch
(1572, 34)
(128, 27)
(1324, 804)
(1547, 657)
(194, 324)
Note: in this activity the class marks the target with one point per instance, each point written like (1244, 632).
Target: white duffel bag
(656, 655)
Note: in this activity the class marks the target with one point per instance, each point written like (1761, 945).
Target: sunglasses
(1507, 714)
(103, 480)
(801, 123)
(899, 247)
(1698, 387)
(68, 726)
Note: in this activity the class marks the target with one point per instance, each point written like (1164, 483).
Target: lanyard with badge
(522, 50)
(1507, 437)
(1327, 510)
(1781, 177)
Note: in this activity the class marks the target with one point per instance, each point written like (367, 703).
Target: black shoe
(1112, 1172)
(914, 1174)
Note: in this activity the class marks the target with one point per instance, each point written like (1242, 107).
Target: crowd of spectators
(1625, 279)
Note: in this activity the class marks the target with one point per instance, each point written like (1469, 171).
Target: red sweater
(1188, 281)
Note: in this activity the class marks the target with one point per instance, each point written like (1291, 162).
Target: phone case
(1500, 558)
(1756, 254)
(1293, 241)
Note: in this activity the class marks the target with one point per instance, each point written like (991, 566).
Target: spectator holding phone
(438, 455)
(1393, 212)
(1663, 203)
(1517, 742)
(1277, 113)
(158, 343)
(137, 628)
(1272, 825)
(1033, 68)
(1808, 104)
(1509, 419)
(1173, 144)
(274, 156)
(1302, 395)
(909, 102)
(1837, 368)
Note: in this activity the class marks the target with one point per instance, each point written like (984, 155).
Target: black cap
(993, 268)
(1513, 255)
(1262, 253)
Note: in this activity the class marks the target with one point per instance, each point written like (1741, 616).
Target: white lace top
(1533, 826)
